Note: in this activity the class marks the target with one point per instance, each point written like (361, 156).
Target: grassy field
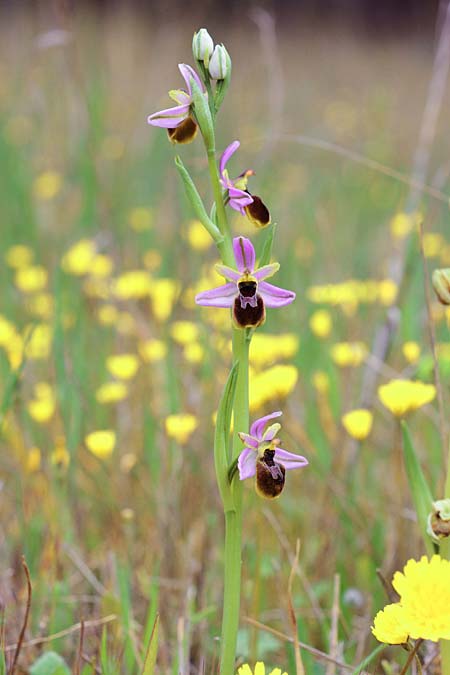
(101, 258)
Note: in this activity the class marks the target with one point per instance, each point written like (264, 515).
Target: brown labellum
(184, 132)
(270, 476)
(248, 317)
(258, 212)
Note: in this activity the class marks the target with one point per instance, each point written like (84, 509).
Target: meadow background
(101, 257)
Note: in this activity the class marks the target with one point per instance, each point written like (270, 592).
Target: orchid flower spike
(264, 458)
(246, 293)
(239, 197)
(179, 122)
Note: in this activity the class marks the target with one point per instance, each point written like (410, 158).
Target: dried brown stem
(292, 618)
(25, 618)
(77, 666)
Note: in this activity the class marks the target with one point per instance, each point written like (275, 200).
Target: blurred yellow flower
(321, 381)
(358, 423)
(401, 225)
(164, 293)
(433, 244)
(387, 292)
(321, 323)
(101, 266)
(19, 256)
(60, 456)
(388, 625)
(260, 669)
(184, 332)
(132, 285)
(152, 260)
(7, 331)
(47, 185)
(266, 348)
(423, 610)
(31, 279)
(42, 407)
(152, 351)
(101, 443)
(402, 396)
(194, 352)
(127, 513)
(181, 427)
(96, 287)
(346, 354)
(140, 218)
(123, 366)
(111, 392)
(41, 305)
(126, 323)
(38, 341)
(33, 460)
(276, 382)
(107, 314)
(198, 237)
(78, 259)
(411, 351)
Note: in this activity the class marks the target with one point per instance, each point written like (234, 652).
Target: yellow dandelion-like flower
(33, 460)
(47, 185)
(107, 314)
(260, 669)
(101, 443)
(31, 279)
(402, 396)
(346, 354)
(387, 292)
(389, 625)
(321, 382)
(198, 237)
(123, 366)
(132, 285)
(321, 323)
(194, 353)
(265, 348)
(358, 423)
(164, 293)
(152, 351)
(181, 427)
(152, 260)
(184, 332)
(411, 351)
(78, 259)
(101, 266)
(38, 341)
(140, 219)
(42, 407)
(111, 392)
(273, 383)
(60, 456)
(19, 256)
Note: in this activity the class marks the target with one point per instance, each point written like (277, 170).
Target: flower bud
(220, 63)
(202, 46)
(441, 285)
(438, 526)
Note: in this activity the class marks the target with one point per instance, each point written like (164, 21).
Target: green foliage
(50, 663)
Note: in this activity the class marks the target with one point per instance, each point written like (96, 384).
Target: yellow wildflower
(7, 331)
(423, 610)
(411, 351)
(388, 625)
(47, 185)
(111, 392)
(152, 260)
(181, 427)
(403, 396)
(33, 460)
(349, 353)
(387, 292)
(78, 259)
(31, 279)
(432, 244)
(194, 352)
(132, 285)
(126, 323)
(101, 443)
(101, 266)
(184, 332)
(164, 293)
(321, 381)
(152, 350)
(97, 288)
(38, 344)
(358, 423)
(41, 305)
(42, 407)
(265, 348)
(260, 669)
(198, 237)
(60, 455)
(320, 323)
(107, 314)
(140, 218)
(19, 256)
(123, 366)
(274, 383)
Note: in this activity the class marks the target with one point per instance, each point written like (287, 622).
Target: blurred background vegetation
(101, 257)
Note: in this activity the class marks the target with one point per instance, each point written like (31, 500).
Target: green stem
(444, 550)
(233, 517)
(226, 250)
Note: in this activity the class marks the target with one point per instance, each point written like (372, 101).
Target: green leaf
(420, 491)
(196, 201)
(152, 650)
(266, 253)
(50, 663)
(222, 436)
(222, 85)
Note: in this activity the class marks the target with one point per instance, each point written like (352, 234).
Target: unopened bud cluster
(215, 58)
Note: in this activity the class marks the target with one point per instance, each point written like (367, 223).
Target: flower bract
(264, 458)
(246, 292)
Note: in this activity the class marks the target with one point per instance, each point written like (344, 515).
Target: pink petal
(257, 427)
(266, 271)
(289, 460)
(188, 72)
(249, 440)
(222, 296)
(244, 254)
(170, 118)
(227, 153)
(274, 296)
(228, 273)
(247, 463)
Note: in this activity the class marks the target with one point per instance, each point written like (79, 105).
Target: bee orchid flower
(239, 198)
(180, 125)
(247, 292)
(264, 458)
